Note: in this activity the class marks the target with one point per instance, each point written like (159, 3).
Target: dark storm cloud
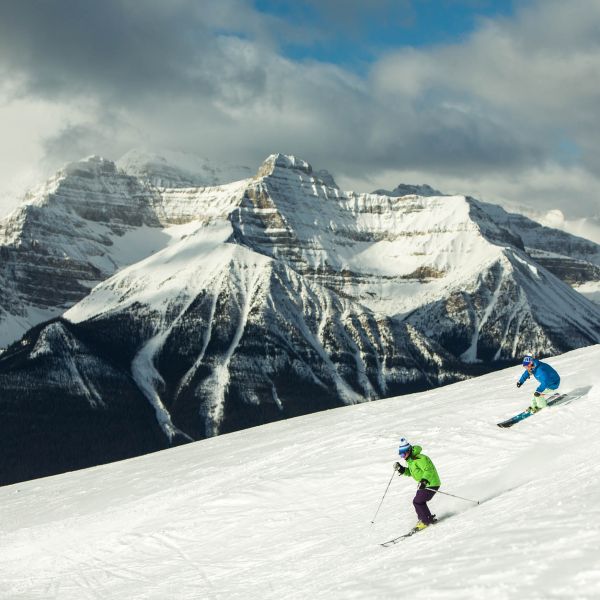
(212, 78)
(206, 63)
(105, 136)
(117, 48)
(448, 139)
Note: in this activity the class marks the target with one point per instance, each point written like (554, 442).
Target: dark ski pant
(420, 503)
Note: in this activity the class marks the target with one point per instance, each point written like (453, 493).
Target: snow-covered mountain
(392, 254)
(461, 277)
(84, 224)
(258, 300)
(420, 256)
(405, 189)
(209, 337)
(573, 259)
(285, 510)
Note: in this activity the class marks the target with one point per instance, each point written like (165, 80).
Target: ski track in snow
(285, 510)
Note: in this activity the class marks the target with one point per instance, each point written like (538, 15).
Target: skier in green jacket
(420, 468)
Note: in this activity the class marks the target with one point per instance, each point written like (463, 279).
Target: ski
(400, 537)
(552, 401)
(407, 535)
(516, 419)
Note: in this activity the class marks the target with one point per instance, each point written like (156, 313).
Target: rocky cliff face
(409, 190)
(56, 246)
(392, 254)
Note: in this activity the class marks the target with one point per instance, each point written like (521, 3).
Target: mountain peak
(406, 189)
(289, 161)
(91, 165)
(284, 161)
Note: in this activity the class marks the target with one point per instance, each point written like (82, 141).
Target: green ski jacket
(420, 467)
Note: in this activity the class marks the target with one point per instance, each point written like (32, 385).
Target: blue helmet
(528, 360)
(404, 448)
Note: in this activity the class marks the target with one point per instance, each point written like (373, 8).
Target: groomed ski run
(284, 510)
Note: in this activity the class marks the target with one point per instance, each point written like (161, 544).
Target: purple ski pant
(420, 503)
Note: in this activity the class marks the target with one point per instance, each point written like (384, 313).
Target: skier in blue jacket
(548, 378)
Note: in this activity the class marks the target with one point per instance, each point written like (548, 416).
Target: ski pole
(384, 493)
(453, 495)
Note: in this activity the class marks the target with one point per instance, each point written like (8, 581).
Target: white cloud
(26, 123)
(509, 114)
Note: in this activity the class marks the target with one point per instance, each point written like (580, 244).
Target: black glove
(537, 394)
(519, 384)
(399, 468)
(423, 484)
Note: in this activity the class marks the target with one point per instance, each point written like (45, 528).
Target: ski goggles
(404, 452)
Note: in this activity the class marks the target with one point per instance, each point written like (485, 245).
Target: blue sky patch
(353, 34)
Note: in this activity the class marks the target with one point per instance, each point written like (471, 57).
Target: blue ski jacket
(544, 373)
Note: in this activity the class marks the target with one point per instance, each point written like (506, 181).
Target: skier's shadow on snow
(575, 395)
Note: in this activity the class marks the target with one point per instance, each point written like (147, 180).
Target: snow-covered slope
(285, 510)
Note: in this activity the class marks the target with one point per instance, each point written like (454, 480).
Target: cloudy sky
(497, 99)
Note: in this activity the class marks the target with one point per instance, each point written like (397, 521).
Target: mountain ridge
(259, 300)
